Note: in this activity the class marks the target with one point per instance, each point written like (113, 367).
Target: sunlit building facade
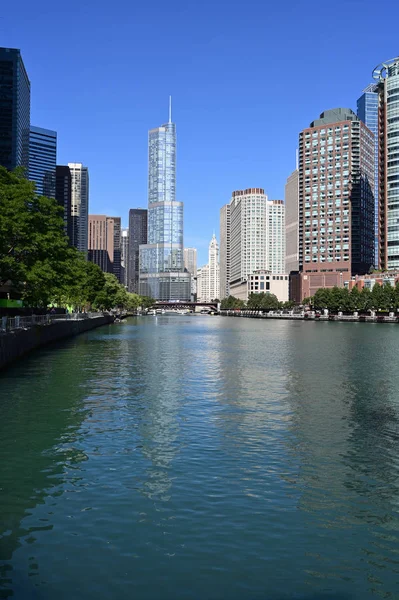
(387, 78)
(162, 273)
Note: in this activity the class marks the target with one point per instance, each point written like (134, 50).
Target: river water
(196, 457)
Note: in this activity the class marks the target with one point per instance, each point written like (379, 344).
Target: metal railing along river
(19, 322)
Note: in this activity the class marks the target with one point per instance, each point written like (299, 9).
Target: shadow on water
(40, 416)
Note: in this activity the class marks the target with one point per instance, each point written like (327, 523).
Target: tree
(231, 303)
(33, 245)
(263, 301)
(146, 301)
(112, 295)
(322, 298)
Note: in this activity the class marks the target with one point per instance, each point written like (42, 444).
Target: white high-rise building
(125, 255)
(208, 276)
(276, 236)
(252, 238)
(79, 206)
(224, 251)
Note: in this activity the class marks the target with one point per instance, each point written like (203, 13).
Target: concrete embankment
(17, 343)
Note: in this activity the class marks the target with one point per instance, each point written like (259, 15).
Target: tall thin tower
(162, 273)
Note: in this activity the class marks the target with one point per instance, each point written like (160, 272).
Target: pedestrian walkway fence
(12, 323)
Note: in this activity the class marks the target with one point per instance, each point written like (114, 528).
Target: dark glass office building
(117, 268)
(367, 111)
(63, 194)
(14, 110)
(43, 160)
(137, 237)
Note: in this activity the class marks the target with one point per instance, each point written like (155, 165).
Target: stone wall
(19, 342)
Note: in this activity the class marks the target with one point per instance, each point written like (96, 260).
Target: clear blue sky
(245, 78)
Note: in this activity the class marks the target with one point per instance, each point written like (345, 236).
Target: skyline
(243, 85)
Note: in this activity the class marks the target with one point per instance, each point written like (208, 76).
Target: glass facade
(161, 259)
(43, 160)
(79, 206)
(14, 110)
(367, 111)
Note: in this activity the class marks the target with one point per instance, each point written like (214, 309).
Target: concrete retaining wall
(19, 342)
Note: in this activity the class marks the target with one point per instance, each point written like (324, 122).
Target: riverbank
(312, 315)
(19, 342)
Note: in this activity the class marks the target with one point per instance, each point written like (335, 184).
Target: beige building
(190, 264)
(269, 283)
(101, 241)
(252, 232)
(208, 276)
(224, 251)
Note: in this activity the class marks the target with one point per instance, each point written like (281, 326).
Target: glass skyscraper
(14, 110)
(43, 160)
(162, 273)
(387, 77)
(367, 111)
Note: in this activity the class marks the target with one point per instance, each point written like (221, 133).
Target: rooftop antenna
(170, 109)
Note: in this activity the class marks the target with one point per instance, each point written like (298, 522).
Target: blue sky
(245, 78)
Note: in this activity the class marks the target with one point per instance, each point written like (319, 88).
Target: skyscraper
(292, 223)
(162, 273)
(101, 242)
(275, 259)
(387, 77)
(248, 241)
(43, 160)
(224, 251)
(79, 206)
(336, 201)
(208, 276)
(14, 110)
(367, 111)
(117, 248)
(124, 255)
(190, 265)
(63, 195)
(137, 237)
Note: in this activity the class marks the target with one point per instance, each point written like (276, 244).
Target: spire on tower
(170, 109)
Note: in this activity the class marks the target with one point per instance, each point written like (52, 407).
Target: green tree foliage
(35, 259)
(33, 247)
(231, 302)
(380, 298)
(146, 301)
(263, 301)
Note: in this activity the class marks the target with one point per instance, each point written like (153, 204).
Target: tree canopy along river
(198, 457)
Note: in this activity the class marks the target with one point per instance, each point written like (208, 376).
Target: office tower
(63, 195)
(14, 110)
(79, 206)
(224, 251)
(124, 255)
(101, 241)
(162, 273)
(208, 276)
(292, 223)
(137, 237)
(248, 237)
(190, 260)
(190, 265)
(276, 236)
(387, 77)
(336, 201)
(117, 248)
(43, 160)
(367, 111)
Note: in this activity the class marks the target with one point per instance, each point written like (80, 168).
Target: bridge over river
(185, 304)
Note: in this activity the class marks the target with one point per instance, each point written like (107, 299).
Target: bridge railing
(22, 322)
